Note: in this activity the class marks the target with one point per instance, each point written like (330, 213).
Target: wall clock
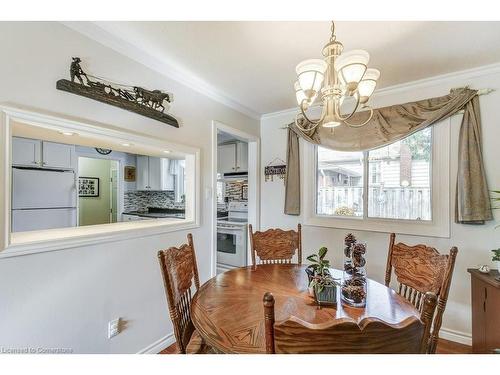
(103, 151)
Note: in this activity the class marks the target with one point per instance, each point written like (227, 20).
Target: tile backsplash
(234, 192)
(141, 200)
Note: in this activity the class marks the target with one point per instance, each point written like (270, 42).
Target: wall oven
(232, 237)
(231, 245)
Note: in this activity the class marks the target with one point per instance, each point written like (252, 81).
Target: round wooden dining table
(228, 311)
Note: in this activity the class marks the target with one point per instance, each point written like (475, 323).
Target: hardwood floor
(172, 349)
(451, 347)
(444, 347)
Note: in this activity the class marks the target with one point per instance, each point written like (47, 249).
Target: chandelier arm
(303, 113)
(304, 101)
(300, 127)
(339, 116)
(363, 123)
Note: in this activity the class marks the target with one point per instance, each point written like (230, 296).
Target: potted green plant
(320, 279)
(496, 258)
(318, 262)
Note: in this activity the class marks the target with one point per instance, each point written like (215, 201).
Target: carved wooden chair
(179, 270)
(276, 246)
(344, 336)
(420, 269)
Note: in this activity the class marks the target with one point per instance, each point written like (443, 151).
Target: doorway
(235, 192)
(98, 205)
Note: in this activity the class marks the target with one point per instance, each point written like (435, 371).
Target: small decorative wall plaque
(149, 103)
(129, 173)
(88, 187)
(275, 168)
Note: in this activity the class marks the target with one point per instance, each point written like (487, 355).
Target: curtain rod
(479, 92)
(485, 91)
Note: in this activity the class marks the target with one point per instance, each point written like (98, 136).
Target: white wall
(66, 298)
(474, 242)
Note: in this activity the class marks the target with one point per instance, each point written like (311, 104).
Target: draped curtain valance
(390, 124)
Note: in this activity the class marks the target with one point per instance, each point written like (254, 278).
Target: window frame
(439, 226)
(24, 243)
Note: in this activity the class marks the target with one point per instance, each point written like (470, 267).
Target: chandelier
(336, 77)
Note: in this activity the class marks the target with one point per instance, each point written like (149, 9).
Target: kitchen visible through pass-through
(64, 180)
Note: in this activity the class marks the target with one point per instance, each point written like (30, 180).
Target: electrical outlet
(114, 327)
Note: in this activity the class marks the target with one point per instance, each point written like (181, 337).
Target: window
(402, 189)
(340, 183)
(392, 182)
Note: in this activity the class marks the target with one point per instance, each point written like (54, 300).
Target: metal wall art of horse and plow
(152, 104)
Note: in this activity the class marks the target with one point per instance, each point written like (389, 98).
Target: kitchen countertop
(158, 214)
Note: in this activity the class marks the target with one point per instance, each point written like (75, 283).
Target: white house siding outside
(392, 193)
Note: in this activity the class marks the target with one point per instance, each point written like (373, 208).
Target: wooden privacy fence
(385, 202)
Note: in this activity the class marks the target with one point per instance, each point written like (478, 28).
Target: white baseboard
(456, 336)
(158, 345)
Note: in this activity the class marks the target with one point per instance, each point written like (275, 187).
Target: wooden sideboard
(485, 311)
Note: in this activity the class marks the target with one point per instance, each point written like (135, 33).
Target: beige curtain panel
(390, 124)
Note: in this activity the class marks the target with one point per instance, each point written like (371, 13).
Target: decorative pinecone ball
(359, 248)
(359, 260)
(349, 239)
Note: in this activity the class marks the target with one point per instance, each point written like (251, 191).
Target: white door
(37, 188)
(26, 152)
(242, 157)
(57, 155)
(142, 172)
(226, 158)
(155, 173)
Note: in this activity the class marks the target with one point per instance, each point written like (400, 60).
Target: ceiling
(253, 63)
(21, 129)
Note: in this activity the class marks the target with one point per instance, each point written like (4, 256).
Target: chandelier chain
(333, 37)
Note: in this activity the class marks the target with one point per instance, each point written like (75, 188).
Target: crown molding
(441, 79)
(166, 68)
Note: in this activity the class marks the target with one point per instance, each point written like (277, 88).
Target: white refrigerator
(43, 199)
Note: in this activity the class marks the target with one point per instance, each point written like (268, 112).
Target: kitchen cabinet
(42, 154)
(232, 157)
(153, 174)
(57, 155)
(142, 173)
(26, 152)
(226, 158)
(241, 157)
(485, 307)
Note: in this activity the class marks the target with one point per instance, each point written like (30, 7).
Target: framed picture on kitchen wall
(88, 187)
(244, 192)
(129, 175)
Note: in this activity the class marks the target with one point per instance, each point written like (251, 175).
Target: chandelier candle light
(338, 76)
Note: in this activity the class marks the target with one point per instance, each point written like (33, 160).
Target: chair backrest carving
(420, 269)
(276, 245)
(179, 271)
(346, 336)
